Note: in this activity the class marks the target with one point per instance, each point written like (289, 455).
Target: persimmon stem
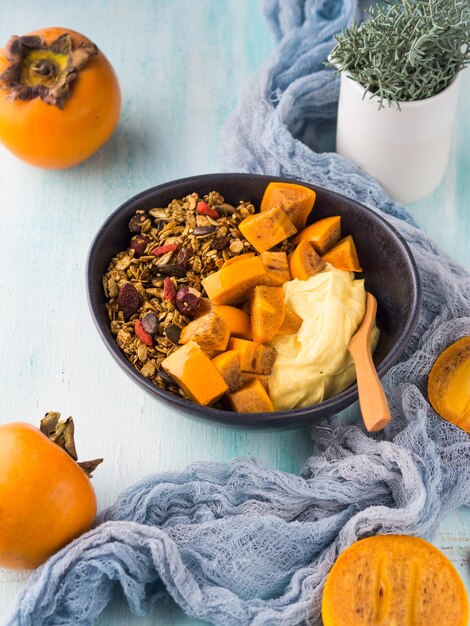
(62, 434)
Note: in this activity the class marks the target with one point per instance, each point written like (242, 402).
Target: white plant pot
(407, 150)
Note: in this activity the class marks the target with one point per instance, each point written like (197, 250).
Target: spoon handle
(372, 400)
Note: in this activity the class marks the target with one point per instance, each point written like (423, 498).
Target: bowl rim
(301, 416)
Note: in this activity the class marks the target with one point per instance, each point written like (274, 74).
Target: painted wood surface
(181, 64)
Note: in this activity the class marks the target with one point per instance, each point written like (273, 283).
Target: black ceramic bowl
(389, 271)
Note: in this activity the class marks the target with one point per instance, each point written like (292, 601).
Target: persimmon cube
(323, 234)
(267, 312)
(343, 256)
(295, 200)
(232, 284)
(267, 229)
(251, 398)
(195, 373)
(304, 261)
(276, 266)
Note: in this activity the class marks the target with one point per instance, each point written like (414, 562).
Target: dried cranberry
(142, 334)
(169, 289)
(150, 323)
(138, 244)
(183, 257)
(188, 300)
(221, 243)
(136, 223)
(128, 300)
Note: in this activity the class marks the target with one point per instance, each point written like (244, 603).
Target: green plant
(407, 49)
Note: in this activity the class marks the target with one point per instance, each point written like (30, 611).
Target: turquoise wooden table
(181, 65)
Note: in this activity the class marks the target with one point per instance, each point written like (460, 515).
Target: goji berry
(169, 289)
(169, 247)
(204, 209)
(142, 335)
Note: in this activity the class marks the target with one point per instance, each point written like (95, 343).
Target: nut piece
(128, 300)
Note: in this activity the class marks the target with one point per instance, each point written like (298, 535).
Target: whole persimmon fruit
(59, 98)
(46, 498)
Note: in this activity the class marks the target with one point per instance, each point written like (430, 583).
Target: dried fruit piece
(254, 357)
(221, 243)
(137, 222)
(142, 334)
(150, 323)
(169, 290)
(251, 398)
(188, 300)
(267, 312)
(161, 250)
(323, 234)
(343, 256)
(204, 231)
(228, 364)
(305, 262)
(210, 331)
(394, 579)
(449, 384)
(276, 266)
(183, 257)
(265, 230)
(295, 200)
(128, 300)
(138, 244)
(233, 283)
(204, 209)
(195, 373)
(171, 269)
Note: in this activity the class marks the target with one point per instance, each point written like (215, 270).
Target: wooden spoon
(372, 400)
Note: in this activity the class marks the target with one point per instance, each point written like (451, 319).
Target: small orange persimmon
(59, 98)
(46, 498)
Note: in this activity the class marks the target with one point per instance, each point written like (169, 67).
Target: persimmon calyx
(62, 434)
(44, 71)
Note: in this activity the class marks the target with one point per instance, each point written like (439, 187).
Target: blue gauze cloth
(240, 544)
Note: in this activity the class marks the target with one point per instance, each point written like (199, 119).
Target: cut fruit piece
(238, 321)
(232, 284)
(210, 331)
(240, 257)
(251, 398)
(228, 364)
(267, 312)
(205, 307)
(265, 230)
(323, 234)
(195, 373)
(394, 579)
(296, 200)
(276, 266)
(305, 262)
(449, 384)
(254, 357)
(343, 256)
(291, 323)
(247, 377)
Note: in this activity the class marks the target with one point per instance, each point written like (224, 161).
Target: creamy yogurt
(314, 364)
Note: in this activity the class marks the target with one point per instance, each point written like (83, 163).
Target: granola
(153, 287)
